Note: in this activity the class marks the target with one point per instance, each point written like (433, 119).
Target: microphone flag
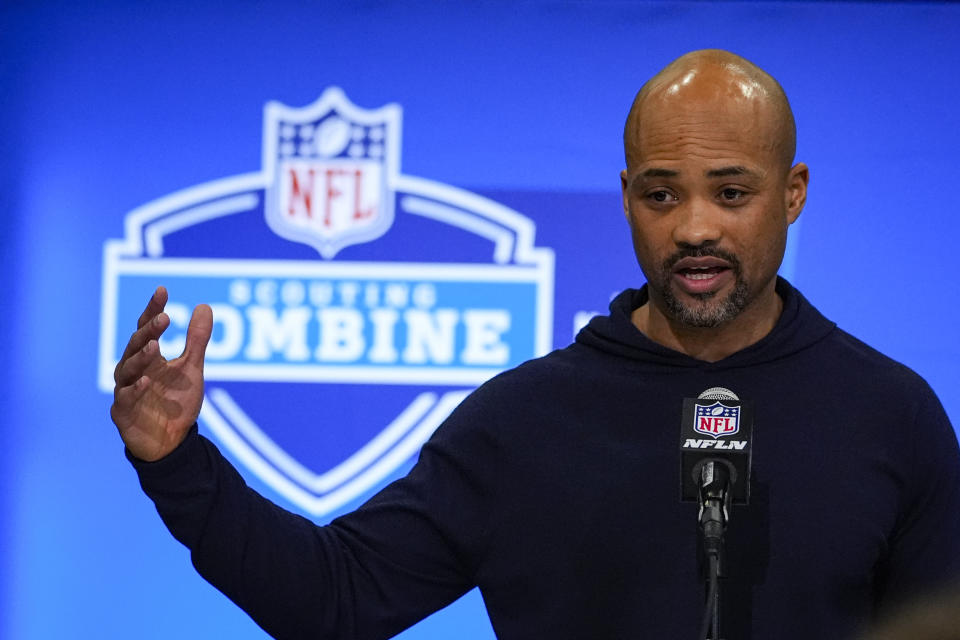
(719, 427)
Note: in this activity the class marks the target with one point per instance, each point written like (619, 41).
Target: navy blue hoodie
(555, 488)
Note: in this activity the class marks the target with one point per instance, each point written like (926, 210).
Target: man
(554, 487)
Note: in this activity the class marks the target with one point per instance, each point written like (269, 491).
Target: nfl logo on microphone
(354, 306)
(716, 420)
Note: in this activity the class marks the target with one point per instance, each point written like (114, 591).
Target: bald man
(709, 192)
(554, 487)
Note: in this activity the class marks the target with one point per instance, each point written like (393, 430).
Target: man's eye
(661, 196)
(732, 194)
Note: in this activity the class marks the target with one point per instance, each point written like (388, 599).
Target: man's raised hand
(156, 401)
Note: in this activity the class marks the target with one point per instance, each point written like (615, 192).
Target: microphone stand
(713, 478)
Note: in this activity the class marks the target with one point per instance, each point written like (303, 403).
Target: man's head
(709, 189)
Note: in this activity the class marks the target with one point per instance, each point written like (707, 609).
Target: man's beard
(705, 315)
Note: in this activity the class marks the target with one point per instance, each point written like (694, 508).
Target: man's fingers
(198, 334)
(151, 323)
(155, 305)
(124, 400)
(131, 368)
(151, 331)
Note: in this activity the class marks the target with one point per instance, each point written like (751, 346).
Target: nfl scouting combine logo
(354, 306)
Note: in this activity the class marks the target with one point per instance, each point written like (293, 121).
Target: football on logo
(354, 306)
(716, 419)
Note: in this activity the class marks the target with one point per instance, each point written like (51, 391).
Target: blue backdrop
(109, 106)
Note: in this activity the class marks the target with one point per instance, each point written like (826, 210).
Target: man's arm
(924, 549)
(368, 575)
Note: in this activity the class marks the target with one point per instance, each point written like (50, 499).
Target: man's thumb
(198, 334)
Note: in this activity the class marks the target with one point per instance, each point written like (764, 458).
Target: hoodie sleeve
(409, 551)
(924, 550)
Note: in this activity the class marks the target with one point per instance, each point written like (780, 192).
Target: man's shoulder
(854, 357)
(820, 350)
(557, 378)
(551, 372)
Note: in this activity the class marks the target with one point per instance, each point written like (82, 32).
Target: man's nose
(696, 223)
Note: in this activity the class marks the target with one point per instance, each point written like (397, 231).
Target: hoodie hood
(800, 325)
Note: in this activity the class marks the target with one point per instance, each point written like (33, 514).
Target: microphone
(715, 453)
(716, 438)
(714, 482)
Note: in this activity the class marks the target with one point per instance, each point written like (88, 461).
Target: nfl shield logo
(716, 420)
(333, 166)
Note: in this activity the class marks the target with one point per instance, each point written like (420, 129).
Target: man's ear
(624, 193)
(796, 192)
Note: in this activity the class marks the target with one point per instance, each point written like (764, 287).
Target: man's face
(709, 200)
